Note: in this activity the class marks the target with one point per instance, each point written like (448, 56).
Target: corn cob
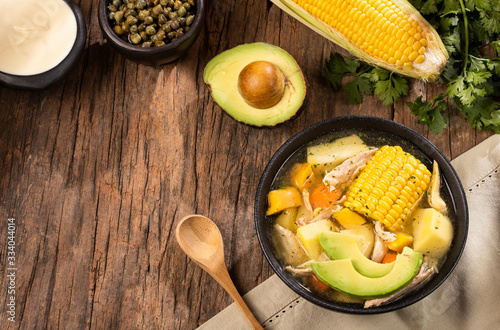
(389, 187)
(387, 33)
(363, 22)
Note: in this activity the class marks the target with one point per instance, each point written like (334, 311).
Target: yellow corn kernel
(392, 200)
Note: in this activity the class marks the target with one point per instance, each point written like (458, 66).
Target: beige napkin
(468, 299)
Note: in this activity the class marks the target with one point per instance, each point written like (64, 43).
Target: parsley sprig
(472, 79)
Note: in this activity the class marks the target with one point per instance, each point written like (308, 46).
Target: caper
(167, 10)
(177, 5)
(171, 35)
(143, 14)
(154, 38)
(186, 29)
(171, 3)
(163, 2)
(174, 25)
(159, 43)
(148, 20)
(118, 30)
(131, 20)
(186, 5)
(130, 12)
(117, 3)
(118, 16)
(112, 8)
(162, 19)
(125, 27)
(179, 34)
(189, 20)
(160, 35)
(111, 16)
(131, 5)
(144, 36)
(166, 28)
(146, 44)
(150, 30)
(141, 27)
(135, 38)
(182, 12)
(157, 10)
(173, 15)
(191, 2)
(182, 21)
(140, 4)
(133, 29)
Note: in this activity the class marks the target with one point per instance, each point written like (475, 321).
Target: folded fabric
(468, 299)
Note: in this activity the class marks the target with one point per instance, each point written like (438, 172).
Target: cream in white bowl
(36, 35)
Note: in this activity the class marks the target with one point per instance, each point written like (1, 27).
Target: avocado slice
(222, 73)
(342, 276)
(344, 246)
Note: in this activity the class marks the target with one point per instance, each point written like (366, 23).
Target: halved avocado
(342, 276)
(222, 75)
(344, 246)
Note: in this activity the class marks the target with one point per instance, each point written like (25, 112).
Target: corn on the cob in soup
(389, 187)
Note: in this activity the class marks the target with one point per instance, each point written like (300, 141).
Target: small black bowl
(50, 77)
(152, 55)
(370, 128)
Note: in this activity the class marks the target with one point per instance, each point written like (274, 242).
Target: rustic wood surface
(98, 170)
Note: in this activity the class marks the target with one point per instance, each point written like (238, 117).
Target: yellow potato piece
(400, 242)
(432, 233)
(348, 218)
(283, 199)
(308, 236)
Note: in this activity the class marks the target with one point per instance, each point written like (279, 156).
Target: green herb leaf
(429, 113)
(389, 90)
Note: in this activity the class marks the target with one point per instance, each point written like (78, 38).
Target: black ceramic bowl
(152, 55)
(372, 130)
(47, 78)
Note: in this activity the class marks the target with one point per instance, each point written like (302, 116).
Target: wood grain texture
(98, 170)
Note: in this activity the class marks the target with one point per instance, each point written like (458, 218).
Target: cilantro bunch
(468, 29)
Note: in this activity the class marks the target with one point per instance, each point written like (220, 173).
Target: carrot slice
(322, 197)
(317, 285)
(390, 256)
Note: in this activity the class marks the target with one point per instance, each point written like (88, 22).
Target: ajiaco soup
(360, 222)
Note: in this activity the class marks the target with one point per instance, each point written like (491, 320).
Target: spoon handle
(222, 276)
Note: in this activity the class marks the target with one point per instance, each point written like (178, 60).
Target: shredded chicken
(305, 211)
(424, 274)
(305, 268)
(379, 249)
(341, 176)
(326, 213)
(385, 236)
(289, 246)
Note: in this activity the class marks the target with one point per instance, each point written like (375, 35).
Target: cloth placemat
(468, 299)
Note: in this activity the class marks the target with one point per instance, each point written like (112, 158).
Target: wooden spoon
(201, 240)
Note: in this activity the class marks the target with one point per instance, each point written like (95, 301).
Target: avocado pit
(261, 84)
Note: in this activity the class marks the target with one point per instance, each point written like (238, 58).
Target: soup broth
(310, 205)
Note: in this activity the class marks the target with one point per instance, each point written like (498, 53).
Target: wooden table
(98, 170)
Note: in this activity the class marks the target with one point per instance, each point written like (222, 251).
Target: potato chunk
(325, 157)
(308, 236)
(432, 233)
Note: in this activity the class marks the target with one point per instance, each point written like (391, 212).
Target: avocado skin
(343, 246)
(342, 276)
(221, 76)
